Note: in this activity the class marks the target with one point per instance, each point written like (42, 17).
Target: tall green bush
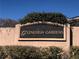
(43, 16)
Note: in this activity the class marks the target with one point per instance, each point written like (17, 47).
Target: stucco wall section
(11, 37)
(7, 36)
(75, 31)
(65, 44)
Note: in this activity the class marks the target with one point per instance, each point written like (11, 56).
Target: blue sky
(16, 9)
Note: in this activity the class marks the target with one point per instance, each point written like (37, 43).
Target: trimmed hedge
(29, 52)
(74, 52)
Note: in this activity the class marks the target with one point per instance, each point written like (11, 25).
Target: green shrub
(23, 52)
(55, 51)
(74, 52)
(2, 53)
(20, 52)
(29, 52)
